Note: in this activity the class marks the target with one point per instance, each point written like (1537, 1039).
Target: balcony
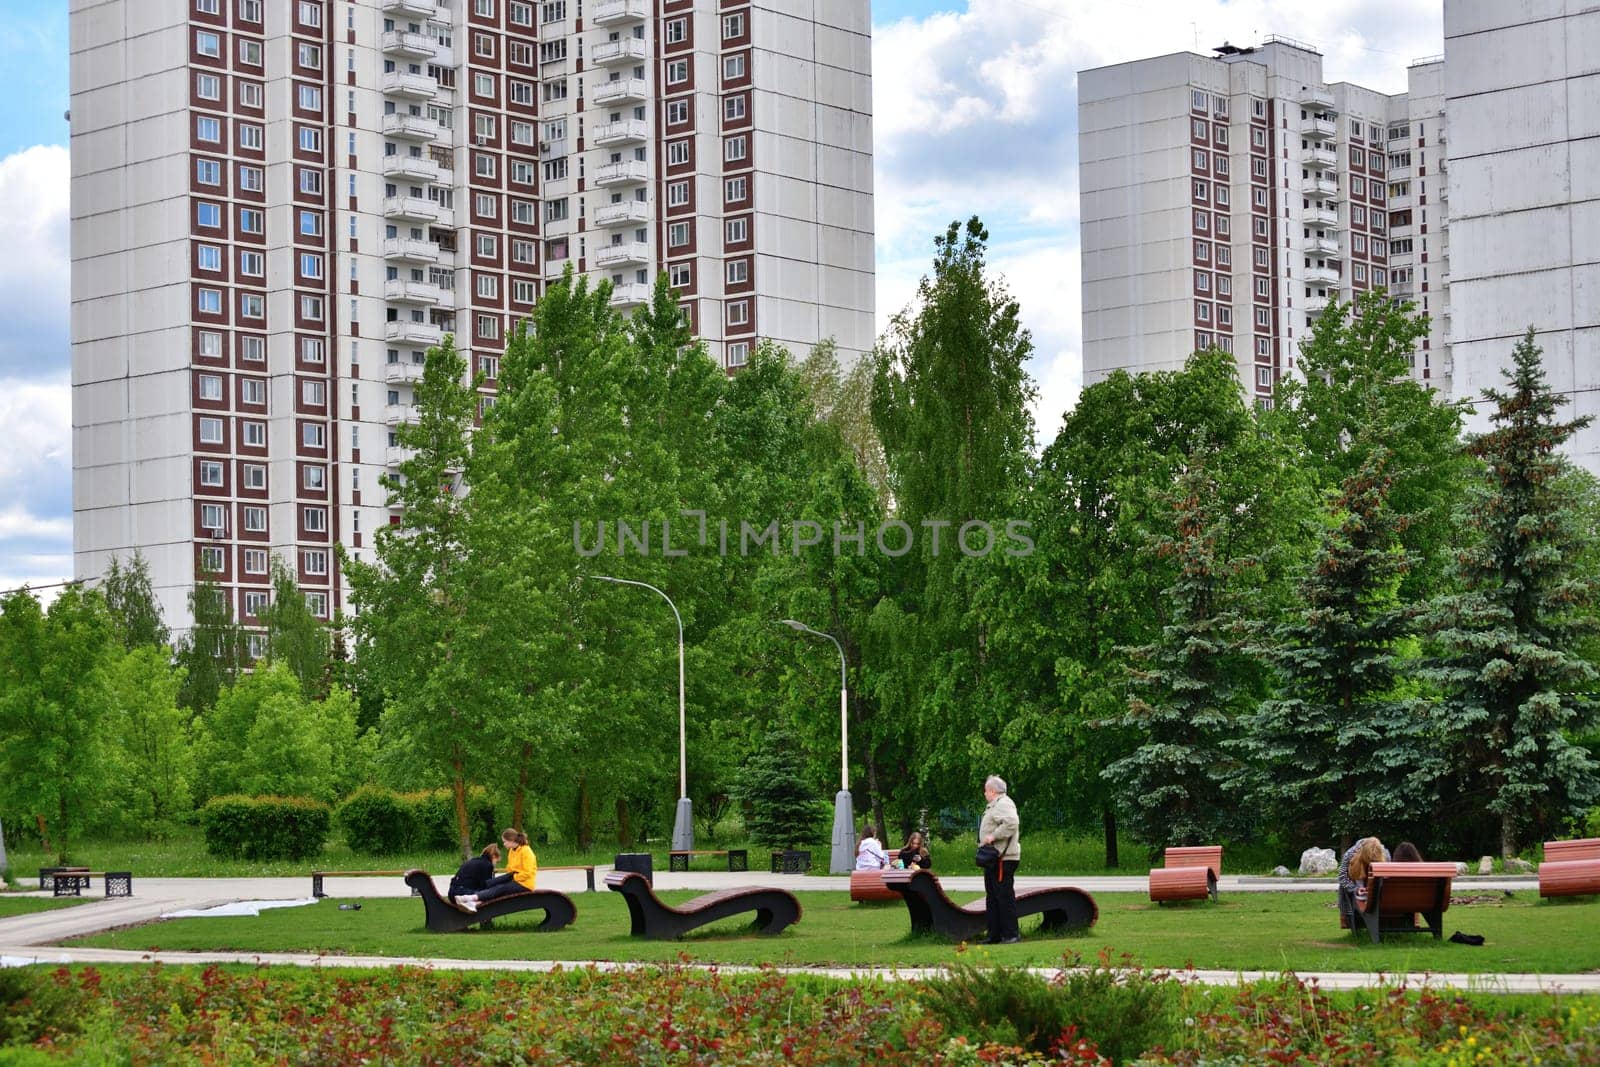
(626, 52)
(411, 9)
(612, 12)
(402, 372)
(1315, 97)
(1319, 129)
(626, 172)
(411, 168)
(406, 250)
(394, 455)
(1325, 247)
(620, 91)
(422, 334)
(1320, 158)
(1326, 217)
(409, 45)
(630, 294)
(628, 131)
(1316, 305)
(1322, 276)
(410, 128)
(412, 209)
(400, 291)
(395, 414)
(624, 214)
(1325, 189)
(411, 86)
(628, 253)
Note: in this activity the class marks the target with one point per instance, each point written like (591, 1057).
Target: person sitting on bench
(914, 855)
(475, 875)
(870, 855)
(1353, 874)
(522, 868)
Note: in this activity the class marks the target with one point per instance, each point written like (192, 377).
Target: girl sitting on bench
(475, 875)
(522, 867)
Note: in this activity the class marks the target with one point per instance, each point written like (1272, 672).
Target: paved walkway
(33, 937)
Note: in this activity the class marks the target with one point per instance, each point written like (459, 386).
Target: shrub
(434, 817)
(378, 821)
(264, 828)
(33, 1005)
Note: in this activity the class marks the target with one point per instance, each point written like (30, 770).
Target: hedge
(381, 822)
(265, 828)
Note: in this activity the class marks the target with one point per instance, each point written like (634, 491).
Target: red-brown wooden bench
(1570, 868)
(1187, 873)
(1398, 892)
(868, 887)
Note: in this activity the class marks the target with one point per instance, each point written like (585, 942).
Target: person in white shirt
(870, 855)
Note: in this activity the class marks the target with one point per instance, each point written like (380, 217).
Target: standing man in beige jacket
(1001, 829)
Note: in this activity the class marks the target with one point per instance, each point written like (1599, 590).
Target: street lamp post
(683, 824)
(843, 858)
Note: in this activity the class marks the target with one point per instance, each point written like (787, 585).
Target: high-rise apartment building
(1524, 103)
(279, 205)
(1227, 199)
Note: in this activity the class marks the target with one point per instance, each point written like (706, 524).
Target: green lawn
(1256, 931)
(10, 905)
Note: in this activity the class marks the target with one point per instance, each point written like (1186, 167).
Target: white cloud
(975, 112)
(35, 271)
(37, 417)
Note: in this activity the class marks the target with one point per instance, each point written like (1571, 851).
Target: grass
(10, 905)
(1256, 931)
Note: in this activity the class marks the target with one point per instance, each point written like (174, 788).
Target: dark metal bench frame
(1064, 908)
(318, 876)
(72, 881)
(444, 917)
(738, 858)
(775, 909)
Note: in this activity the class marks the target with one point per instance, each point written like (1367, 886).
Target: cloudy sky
(975, 109)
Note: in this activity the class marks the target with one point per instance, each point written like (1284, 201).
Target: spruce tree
(1516, 690)
(1185, 695)
(1339, 750)
(782, 810)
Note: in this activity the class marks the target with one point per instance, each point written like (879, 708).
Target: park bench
(1187, 874)
(318, 876)
(738, 858)
(72, 881)
(868, 887)
(444, 916)
(1398, 892)
(775, 909)
(1570, 868)
(1064, 908)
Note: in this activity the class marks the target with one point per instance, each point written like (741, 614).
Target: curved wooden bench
(868, 886)
(445, 917)
(1397, 892)
(1064, 908)
(1570, 868)
(1187, 873)
(775, 909)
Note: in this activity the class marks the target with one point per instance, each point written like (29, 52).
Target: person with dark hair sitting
(475, 875)
(522, 867)
(914, 855)
(1406, 852)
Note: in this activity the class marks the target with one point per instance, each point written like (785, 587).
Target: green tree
(1185, 692)
(1515, 689)
(215, 650)
(782, 809)
(1354, 395)
(53, 709)
(1342, 748)
(154, 772)
(295, 637)
(131, 598)
(265, 737)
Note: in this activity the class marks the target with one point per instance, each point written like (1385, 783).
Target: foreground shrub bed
(685, 1015)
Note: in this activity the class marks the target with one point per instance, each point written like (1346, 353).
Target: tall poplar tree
(1516, 689)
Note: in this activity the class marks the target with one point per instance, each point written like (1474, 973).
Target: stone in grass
(1461, 869)
(1486, 865)
(1315, 861)
(1280, 871)
(1518, 865)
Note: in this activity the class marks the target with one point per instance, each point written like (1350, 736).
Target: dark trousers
(502, 885)
(1000, 900)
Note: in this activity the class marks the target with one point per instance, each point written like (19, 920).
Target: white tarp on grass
(237, 908)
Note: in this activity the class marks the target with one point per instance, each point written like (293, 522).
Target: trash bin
(639, 863)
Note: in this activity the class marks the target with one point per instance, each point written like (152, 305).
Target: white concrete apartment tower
(279, 205)
(1225, 201)
(1522, 81)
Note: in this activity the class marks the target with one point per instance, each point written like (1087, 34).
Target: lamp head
(794, 625)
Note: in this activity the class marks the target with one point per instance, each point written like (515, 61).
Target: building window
(738, 231)
(317, 604)
(1202, 159)
(488, 285)
(488, 327)
(521, 92)
(522, 251)
(252, 220)
(739, 313)
(314, 393)
(736, 190)
(213, 517)
(680, 275)
(677, 153)
(483, 164)
(211, 473)
(208, 44)
(208, 258)
(252, 391)
(255, 520)
(255, 603)
(677, 194)
(520, 14)
(310, 98)
(1202, 311)
(732, 26)
(210, 387)
(212, 557)
(523, 212)
(738, 353)
(210, 344)
(483, 85)
(209, 301)
(208, 128)
(314, 562)
(738, 271)
(677, 31)
(1202, 252)
(254, 434)
(252, 179)
(314, 476)
(486, 206)
(1202, 221)
(677, 235)
(677, 112)
(677, 72)
(522, 291)
(210, 431)
(733, 67)
(735, 149)
(733, 108)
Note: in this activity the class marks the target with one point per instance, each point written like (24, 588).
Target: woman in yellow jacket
(522, 867)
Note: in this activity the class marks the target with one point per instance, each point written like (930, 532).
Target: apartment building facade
(1523, 96)
(278, 207)
(1226, 200)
